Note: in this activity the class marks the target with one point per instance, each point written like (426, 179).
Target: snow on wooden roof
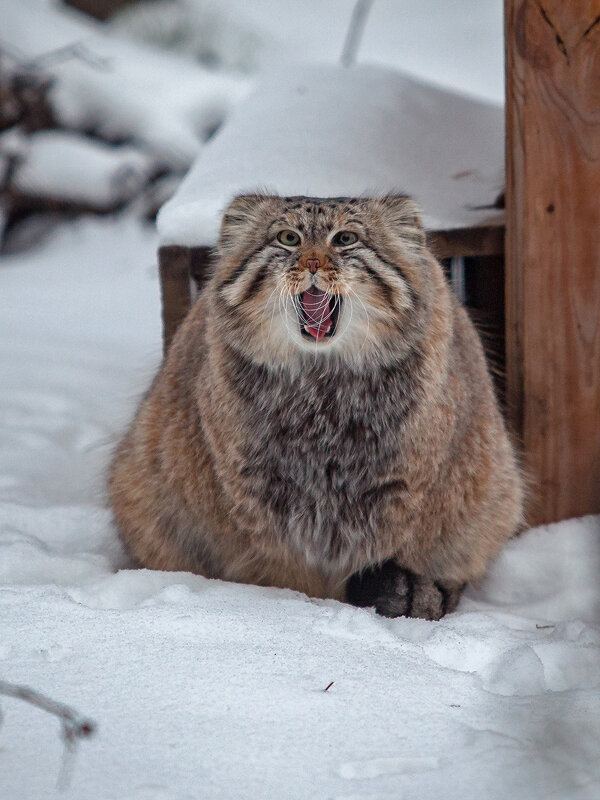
(325, 131)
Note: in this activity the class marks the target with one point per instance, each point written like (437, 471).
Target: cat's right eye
(344, 239)
(288, 238)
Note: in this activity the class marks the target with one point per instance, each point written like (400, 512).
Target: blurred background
(106, 102)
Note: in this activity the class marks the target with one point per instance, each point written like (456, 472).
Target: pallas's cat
(324, 419)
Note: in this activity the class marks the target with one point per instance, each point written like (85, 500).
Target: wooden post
(183, 274)
(174, 265)
(553, 249)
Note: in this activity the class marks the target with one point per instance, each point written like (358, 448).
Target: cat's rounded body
(324, 419)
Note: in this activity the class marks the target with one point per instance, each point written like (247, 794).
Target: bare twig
(329, 686)
(74, 726)
(355, 31)
(76, 50)
(52, 58)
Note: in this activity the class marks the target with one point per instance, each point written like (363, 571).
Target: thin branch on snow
(76, 50)
(74, 726)
(355, 32)
(53, 58)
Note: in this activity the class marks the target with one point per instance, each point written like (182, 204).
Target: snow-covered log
(23, 95)
(62, 169)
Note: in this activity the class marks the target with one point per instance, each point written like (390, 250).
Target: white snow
(326, 131)
(204, 689)
(71, 167)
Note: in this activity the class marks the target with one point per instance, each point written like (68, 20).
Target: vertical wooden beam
(174, 264)
(553, 248)
(200, 267)
(184, 271)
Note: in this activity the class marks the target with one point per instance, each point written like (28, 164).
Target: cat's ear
(239, 219)
(403, 213)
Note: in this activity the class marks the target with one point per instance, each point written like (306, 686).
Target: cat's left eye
(289, 238)
(344, 238)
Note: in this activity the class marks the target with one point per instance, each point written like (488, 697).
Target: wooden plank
(482, 240)
(553, 248)
(485, 240)
(179, 265)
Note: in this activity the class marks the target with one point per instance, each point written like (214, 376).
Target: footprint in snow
(566, 658)
(348, 622)
(516, 672)
(501, 665)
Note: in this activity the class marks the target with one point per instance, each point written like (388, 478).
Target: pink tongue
(317, 311)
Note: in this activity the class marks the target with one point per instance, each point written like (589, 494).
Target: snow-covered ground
(203, 689)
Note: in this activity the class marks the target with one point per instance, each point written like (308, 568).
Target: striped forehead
(315, 214)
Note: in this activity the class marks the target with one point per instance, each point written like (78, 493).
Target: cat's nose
(313, 264)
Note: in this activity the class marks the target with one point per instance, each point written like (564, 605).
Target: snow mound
(325, 131)
(67, 166)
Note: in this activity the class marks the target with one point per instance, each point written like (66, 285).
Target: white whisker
(267, 336)
(285, 295)
(355, 293)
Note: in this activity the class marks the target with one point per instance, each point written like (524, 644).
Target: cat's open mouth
(318, 313)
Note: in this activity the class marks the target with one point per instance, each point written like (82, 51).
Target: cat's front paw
(398, 592)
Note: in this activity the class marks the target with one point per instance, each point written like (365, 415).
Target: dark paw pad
(396, 591)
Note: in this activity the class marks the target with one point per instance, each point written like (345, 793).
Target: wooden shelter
(543, 298)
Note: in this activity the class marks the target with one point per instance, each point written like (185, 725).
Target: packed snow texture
(205, 689)
(326, 131)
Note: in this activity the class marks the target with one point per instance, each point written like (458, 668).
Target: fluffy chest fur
(323, 448)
